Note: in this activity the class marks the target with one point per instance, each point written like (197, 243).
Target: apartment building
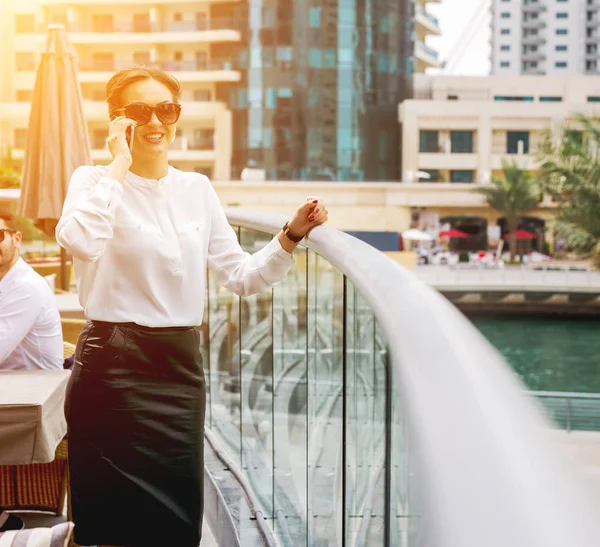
(459, 129)
(190, 39)
(553, 37)
(425, 25)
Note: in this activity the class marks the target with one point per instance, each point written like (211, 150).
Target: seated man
(30, 329)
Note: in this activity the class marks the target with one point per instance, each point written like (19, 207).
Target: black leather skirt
(135, 412)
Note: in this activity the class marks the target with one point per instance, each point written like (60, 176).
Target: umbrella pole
(64, 283)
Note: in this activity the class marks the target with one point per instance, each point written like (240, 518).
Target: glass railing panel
(256, 394)
(366, 424)
(290, 438)
(325, 401)
(404, 517)
(224, 373)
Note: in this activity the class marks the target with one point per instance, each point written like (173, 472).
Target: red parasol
(522, 234)
(453, 233)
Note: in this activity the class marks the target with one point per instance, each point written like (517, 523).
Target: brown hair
(8, 218)
(124, 78)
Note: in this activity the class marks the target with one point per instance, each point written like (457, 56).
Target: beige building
(425, 25)
(459, 129)
(182, 37)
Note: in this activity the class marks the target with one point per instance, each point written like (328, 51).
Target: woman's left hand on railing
(310, 214)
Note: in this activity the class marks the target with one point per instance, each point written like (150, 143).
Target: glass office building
(320, 86)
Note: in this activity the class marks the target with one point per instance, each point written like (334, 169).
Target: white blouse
(141, 247)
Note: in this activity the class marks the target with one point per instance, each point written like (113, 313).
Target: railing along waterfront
(571, 411)
(360, 408)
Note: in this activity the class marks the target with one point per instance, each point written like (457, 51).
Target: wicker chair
(37, 487)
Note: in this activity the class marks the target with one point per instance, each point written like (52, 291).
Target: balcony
(17, 113)
(594, 23)
(592, 55)
(428, 22)
(187, 71)
(533, 8)
(536, 40)
(427, 55)
(445, 161)
(533, 57)
(216, 30)
(533, 24)
(527, 162)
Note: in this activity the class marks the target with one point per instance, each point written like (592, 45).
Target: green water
(549, 354)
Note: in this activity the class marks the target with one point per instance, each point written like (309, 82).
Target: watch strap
(290, 235)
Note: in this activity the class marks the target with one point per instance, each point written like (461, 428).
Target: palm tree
(513, 196)
(571, 169)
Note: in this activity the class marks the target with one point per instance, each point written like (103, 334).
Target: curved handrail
(487, 474)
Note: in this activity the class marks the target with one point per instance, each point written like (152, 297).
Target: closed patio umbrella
(57, 139)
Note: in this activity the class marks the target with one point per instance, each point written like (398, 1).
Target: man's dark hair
(8, 219)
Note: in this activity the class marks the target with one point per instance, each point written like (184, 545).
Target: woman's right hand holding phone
(119, 147)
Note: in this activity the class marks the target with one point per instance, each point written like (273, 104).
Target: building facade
(426, 25)
(320, 81)
(552, 37)
(460, 129)
(181, 37)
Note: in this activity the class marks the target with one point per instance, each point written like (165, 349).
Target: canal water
(550, 354)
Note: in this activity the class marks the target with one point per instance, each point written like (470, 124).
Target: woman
(142, 234)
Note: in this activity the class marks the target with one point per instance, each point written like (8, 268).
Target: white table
(32, 420)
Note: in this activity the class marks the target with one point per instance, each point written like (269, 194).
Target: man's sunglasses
(167, 113)
(3, 231)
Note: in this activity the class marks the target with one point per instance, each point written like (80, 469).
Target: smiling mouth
(154, 138)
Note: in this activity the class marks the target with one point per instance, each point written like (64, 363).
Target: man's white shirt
(30, 328)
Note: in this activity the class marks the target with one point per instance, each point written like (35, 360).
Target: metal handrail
(486, 473)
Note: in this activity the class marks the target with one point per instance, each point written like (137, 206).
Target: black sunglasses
(3, 231)
(167, 113)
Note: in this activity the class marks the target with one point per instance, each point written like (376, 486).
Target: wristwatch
(290, 235)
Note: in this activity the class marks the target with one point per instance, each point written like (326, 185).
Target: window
(102, 22)
(551, 99)
(269, 18)
(512, 98)
(202, 95)
(562, 31)
(593, 99)
(25, 61)
(314, 97)
(461, 142)
(24, 95)
(178, 16)
(25, 22)
(203, 139)
(315, 58)
(560, 64)
(20, 138)
(284, 53)
(461, 176)
(562, 15)
(141, 22)
(314, 17)
(505, 15)
(505, 48)
(504, 64)
(141, 58)
(434, 175)
(513, 138)
(102, 62)
(271, 98)
(329, 58)
(429, 141)
(177, 56)
(504, 31)
(284, 93)
(99, 138)
(562, 48)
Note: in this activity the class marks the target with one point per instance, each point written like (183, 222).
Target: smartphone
(129, 133)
